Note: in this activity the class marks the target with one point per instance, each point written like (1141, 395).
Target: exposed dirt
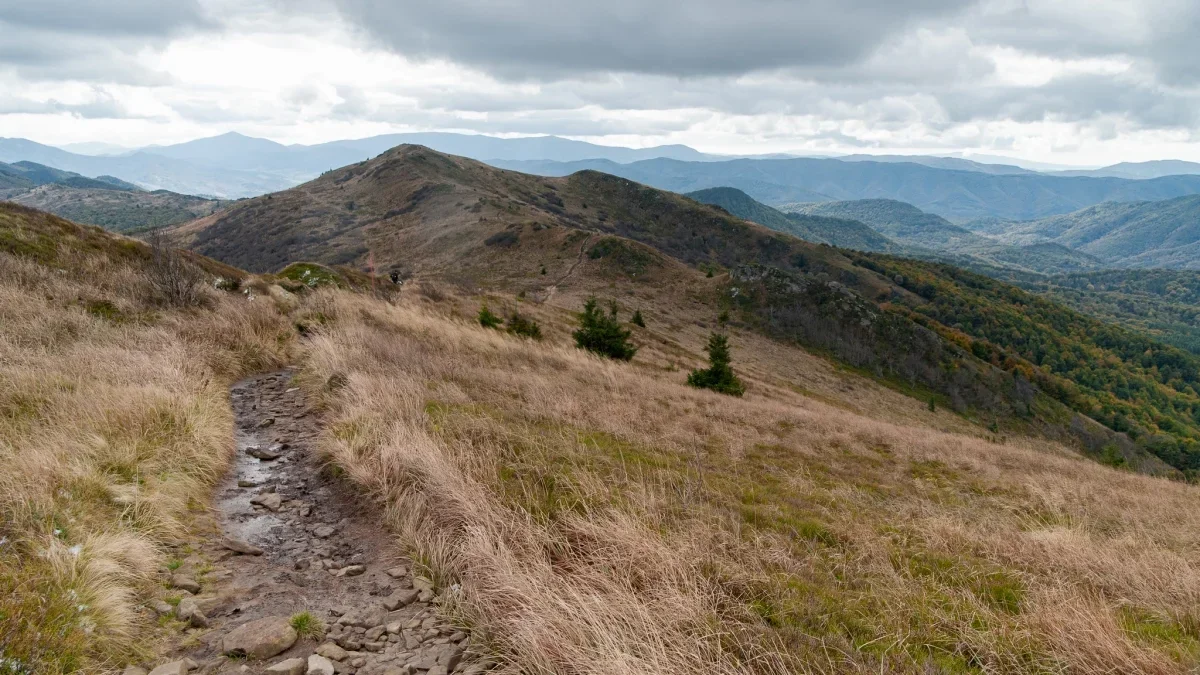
(323, 551)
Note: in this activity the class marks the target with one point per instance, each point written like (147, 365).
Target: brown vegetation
(114, 423)
(603, 517)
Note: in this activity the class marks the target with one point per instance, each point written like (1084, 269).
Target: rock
(161, 607)
(172, 668)
(269, 500)
(260, 639)
(438, 670)
(367, 618)
(332, 651)
(300, 565)
(425, 596)
(185, 609)
(243, 483)
(399, 599)
(266, 423)
(422, 584)
(185, 583)
(319, 665)
(239, 546)
(450, 655)
(374, 633)
(265, 455)
(289, 667)
(393, 627)
(401, 670)
(324, 531)
(133, 670)
(397, 572)
(351, 571)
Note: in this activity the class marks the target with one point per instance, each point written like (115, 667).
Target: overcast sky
(1065, 81)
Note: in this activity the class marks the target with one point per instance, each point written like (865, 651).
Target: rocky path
(298, 576)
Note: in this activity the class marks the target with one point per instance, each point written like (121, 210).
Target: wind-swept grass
(112, 426)
(603, 517)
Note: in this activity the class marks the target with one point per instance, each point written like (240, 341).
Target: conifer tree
(719, 375)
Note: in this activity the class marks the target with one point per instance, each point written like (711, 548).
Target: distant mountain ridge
(953, 194)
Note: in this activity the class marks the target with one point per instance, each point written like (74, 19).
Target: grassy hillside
(973, 343)
(602, 517)
(591, 517)
(835, 231)
(115, 424)
(119, 210)
(1137, 234)
(923, 232)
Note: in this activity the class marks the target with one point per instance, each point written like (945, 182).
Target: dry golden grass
(604, 518)
(114, 422)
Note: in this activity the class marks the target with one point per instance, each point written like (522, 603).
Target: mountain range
(982, 345)
(956, 195)
(959, 189)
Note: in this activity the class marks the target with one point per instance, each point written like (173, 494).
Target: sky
(1083, 82)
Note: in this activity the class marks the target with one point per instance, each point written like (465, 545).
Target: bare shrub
(176, 282)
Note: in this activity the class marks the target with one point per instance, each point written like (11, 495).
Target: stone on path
(397, 572)
(332, 651)
(319, 665)
(351, 571)
(238, 546)
(269, 500)
(161, 607)
(265, 455)
(133, 670)
(185, 583)
(324, 531)
(289, 667)
(400, 599)
(260, 639)
(187, 610)
(172, 668)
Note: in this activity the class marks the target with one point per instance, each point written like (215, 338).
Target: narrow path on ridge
(288, 538)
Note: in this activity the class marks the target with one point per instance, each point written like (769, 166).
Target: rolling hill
(413, 211)
(841, 232)
(119, 210)
(582, 512)
(1130, 235)
(955, 195)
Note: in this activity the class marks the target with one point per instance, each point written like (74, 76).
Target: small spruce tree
(637, 319)
(487, 319)
(519, 324)
(719, 375)
(602, 334)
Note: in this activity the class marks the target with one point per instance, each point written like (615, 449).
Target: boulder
(185, 583)
(332, 652)
(239, 546)
(172, 668)
(265, 455)
(400, 599)
(269, 500)
(260, 639)
(289, 667)
(319, 665)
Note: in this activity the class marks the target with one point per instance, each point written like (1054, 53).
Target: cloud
(92, 41)
(538, 39)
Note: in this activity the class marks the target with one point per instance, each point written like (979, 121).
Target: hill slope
(955, 195)
(586, 516)
(841, 232)
(1134, 234)
(415, 211)
(116, 209)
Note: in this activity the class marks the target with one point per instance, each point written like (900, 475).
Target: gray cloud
(90, 40)
(524, 39)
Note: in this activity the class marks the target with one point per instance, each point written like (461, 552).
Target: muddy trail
(297, 574)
